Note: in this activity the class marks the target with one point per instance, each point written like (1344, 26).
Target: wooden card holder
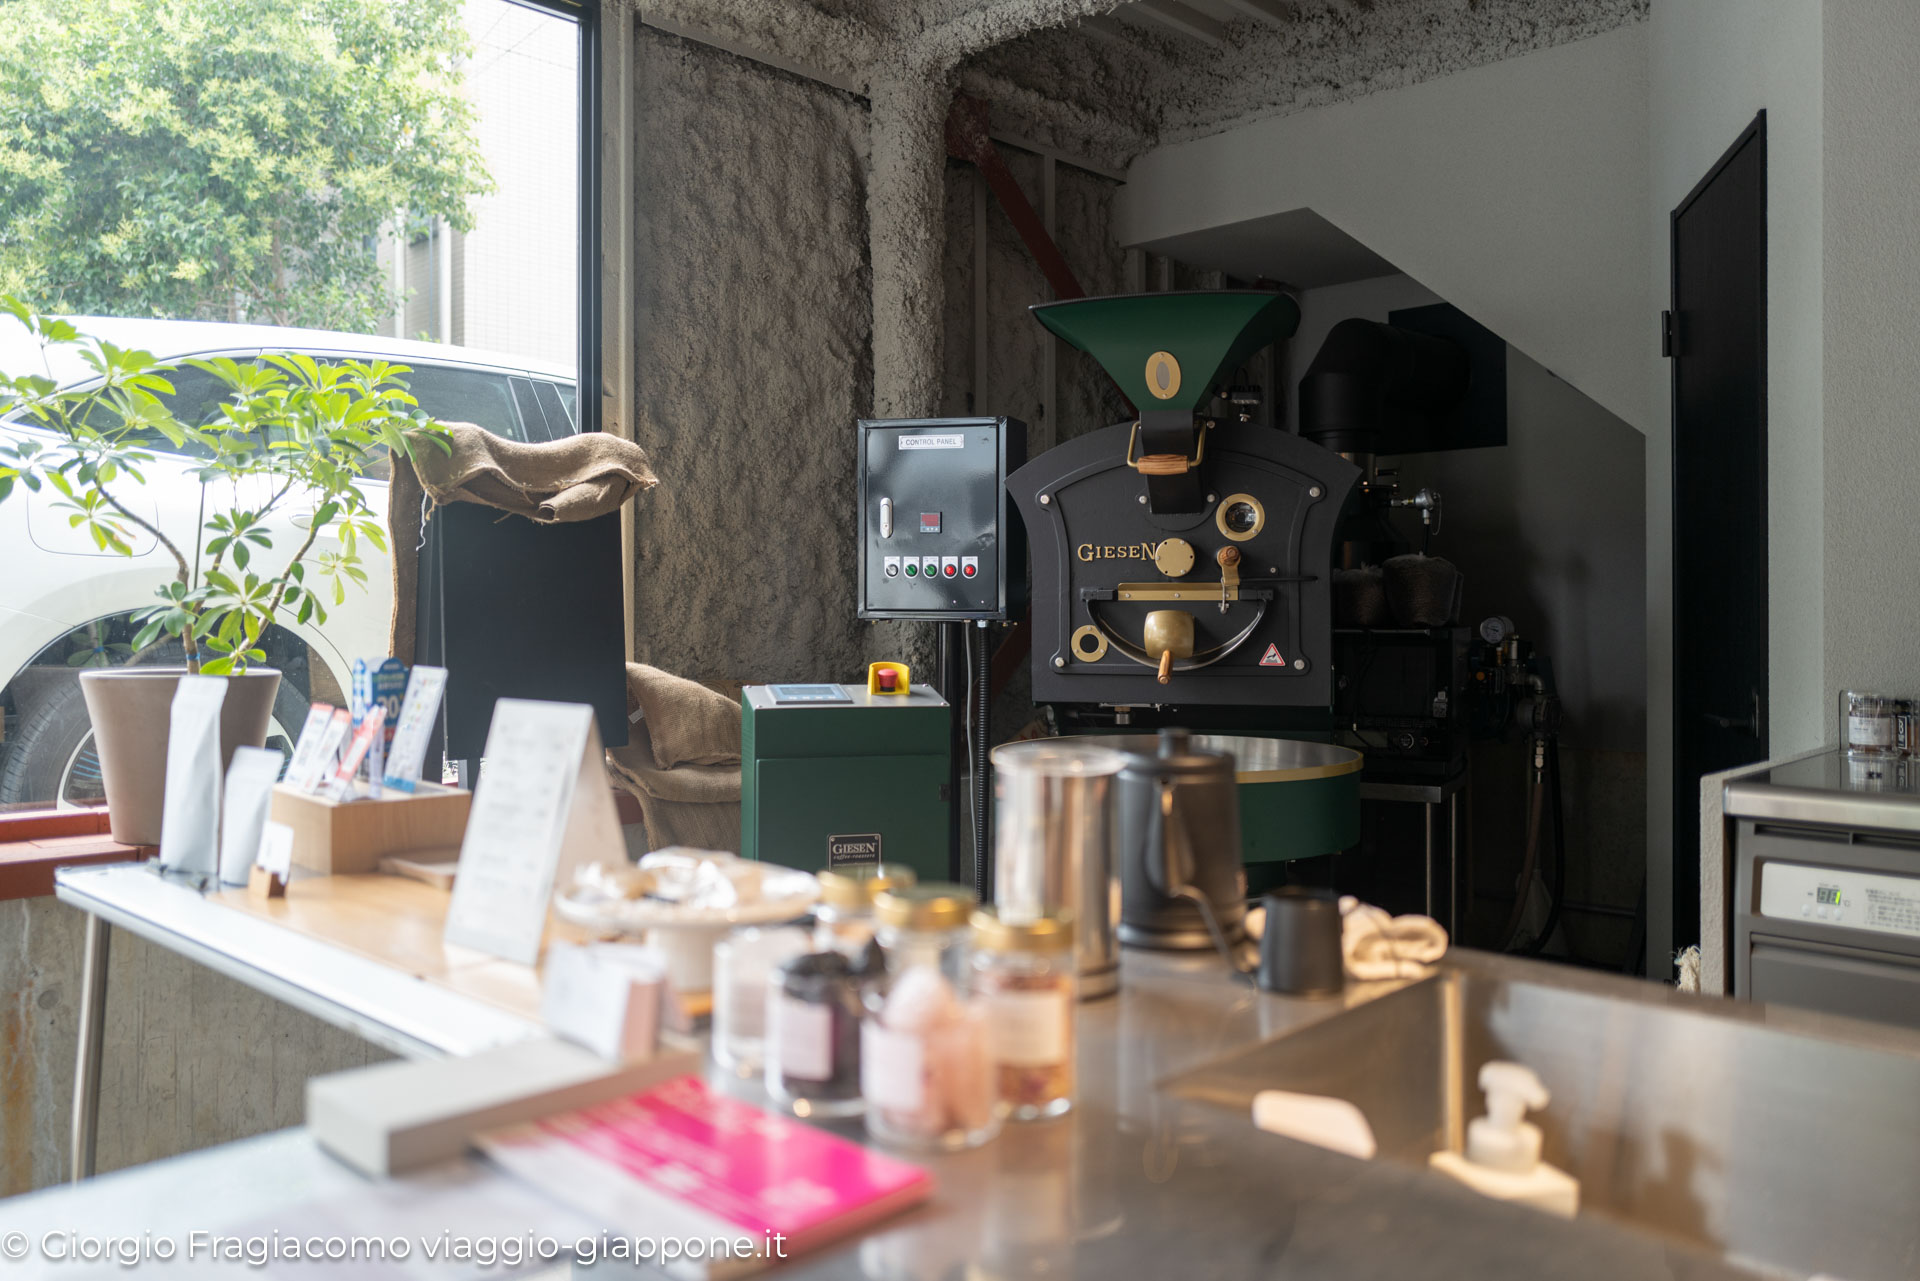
(342, 838)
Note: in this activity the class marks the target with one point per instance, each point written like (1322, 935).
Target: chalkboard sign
(517, 610)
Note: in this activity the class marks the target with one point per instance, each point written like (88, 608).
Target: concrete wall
(754, 323)
(1515, 190)
(1712, 65)
(1871, 454)
(191, 1059)
(1550, 531)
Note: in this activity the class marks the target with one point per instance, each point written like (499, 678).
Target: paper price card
(541, 809)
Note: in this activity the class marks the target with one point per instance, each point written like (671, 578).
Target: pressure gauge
(1496, 629)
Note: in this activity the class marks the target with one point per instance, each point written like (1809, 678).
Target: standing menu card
(414, 732)
(541, 809)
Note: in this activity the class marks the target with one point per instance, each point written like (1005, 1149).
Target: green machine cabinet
(831, 775)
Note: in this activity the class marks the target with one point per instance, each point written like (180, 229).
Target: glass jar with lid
(926, 924)
(1868, 723)
(1024, 968)
(843, 919)
(742, 962)
(926, 1063)
(814, 1008)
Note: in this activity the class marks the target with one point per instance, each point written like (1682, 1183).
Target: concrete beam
(1184, 21)
(1274, 13)
(906, 206)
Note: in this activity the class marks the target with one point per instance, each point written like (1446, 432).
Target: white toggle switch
(886, 518)
(893, 566)
(950, 566)
(930, 566)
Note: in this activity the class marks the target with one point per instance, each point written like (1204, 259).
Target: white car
(64, 604)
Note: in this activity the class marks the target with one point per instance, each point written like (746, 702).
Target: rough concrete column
(906, 225)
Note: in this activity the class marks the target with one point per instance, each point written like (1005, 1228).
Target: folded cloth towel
(573, 478)
(1379, 946)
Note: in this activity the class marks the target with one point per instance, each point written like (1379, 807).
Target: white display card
(304, 770)
(243, 809)
(190, 819)
(276, 850)
(541, 809)
(413, 732)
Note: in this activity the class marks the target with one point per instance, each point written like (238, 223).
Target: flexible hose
(1559, 848)
(980, 714)
(1525, 886)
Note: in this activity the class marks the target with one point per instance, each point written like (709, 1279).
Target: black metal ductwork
(1373, 385)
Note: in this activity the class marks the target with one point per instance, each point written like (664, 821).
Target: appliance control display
(1858, 900)
(809, 694)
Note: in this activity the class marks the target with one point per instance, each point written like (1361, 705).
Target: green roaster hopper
(1208, 333)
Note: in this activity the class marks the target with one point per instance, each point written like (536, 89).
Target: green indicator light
(913, 571)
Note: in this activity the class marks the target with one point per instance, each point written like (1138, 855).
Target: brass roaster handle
(1166, 666)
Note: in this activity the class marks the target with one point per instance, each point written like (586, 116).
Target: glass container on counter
(1869, 723)
(742, 964)
(813, 1033)
(1024, 968)
(926, 1058)
(843, 919)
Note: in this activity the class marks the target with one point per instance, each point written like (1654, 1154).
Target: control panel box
(938, 538)
(833, 776)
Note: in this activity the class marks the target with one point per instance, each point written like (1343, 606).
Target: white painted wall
(1516, 190)
(1871, 456)
(1712, 65)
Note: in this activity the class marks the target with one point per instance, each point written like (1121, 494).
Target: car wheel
(51, 760)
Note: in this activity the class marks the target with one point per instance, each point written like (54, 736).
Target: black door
(1718, 341)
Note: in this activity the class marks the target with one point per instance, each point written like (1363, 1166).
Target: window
(445, 191)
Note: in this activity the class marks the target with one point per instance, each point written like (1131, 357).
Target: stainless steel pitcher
(1182, 882)
(1053, 845)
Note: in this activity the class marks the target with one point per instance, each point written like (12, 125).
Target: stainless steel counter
(1832, 789)
(1136, 1182)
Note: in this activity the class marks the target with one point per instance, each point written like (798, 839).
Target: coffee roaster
(1180, 561)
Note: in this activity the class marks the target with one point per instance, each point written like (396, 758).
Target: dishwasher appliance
(1826, 909)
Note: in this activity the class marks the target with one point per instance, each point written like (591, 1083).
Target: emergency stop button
(949, 565)
(969, 566)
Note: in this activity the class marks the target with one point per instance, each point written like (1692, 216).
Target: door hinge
(1666, 333)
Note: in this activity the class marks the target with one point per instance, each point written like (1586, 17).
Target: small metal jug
(1182, 883)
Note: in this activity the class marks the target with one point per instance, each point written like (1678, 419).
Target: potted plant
(292, 435)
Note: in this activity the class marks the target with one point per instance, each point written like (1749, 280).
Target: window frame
(585, 14)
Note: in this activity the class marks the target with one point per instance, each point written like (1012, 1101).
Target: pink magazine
(681, 1161)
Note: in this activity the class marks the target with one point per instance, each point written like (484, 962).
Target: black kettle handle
(1175, 877)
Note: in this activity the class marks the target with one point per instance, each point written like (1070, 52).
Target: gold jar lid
(854, 887)
(1043, 933)
(936, 905)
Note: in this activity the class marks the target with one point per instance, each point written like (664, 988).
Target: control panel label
(954, 441)
(849, 851)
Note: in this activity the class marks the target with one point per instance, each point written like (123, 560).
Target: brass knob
(1227, 556)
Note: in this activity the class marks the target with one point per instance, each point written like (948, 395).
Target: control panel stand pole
(953, 688)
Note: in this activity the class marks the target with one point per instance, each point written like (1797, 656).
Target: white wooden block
(394, 1117)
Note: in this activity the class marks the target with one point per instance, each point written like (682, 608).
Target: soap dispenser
(1502, 1159)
